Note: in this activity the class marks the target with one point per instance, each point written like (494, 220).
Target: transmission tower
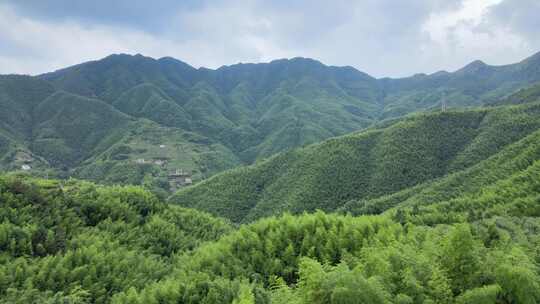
(443, 102)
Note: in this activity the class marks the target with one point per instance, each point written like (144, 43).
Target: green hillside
(135, 155)
(475, 84)
(61, 134)
(505, 183)
(99, 119)
(246, 107)
(75, 242)
(525, 95)
(363, 166)
(257, 110)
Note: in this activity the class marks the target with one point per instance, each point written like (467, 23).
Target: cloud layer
(380, 37)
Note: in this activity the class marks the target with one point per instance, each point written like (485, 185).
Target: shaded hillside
(19, 95)
(526, 95)
(69, 127)
(363, 166)
(505, 183)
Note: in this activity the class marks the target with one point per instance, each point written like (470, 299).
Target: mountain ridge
(245, 112)
(363, 166)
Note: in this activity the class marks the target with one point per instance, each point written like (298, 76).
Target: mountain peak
(476, 64)
(473, 67)
(174, 62)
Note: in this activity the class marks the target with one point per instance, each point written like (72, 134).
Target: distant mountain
(525, 95)
(54, 132)
(241, 93)
(254, 109)
(80, 120)
(347, 171)
(473, 85)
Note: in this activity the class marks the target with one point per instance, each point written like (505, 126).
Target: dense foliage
(213, 120)
(433, 208)
(80, 243)
(77, 242)
(525, 95)
(371, 171)
(69, 135)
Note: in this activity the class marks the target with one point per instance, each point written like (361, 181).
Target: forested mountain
(437, 207)
(133, 119)
(473, 85)
(75, 242)
(53, 131)
(525, 95)
(373, 170)
(253, 109)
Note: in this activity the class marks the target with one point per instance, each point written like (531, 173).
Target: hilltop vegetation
(68, 122)
(432, 208)
(75, 242)
(372, 164)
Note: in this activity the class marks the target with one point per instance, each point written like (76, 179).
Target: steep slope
(52, 132)
(247, 107)
(147, 152)
(68, 119)
(506, 183)
(257, 110)
(525, 95)
(377, 162)
(108, 78)
(69, 128)
(149, 101)
(19, 95)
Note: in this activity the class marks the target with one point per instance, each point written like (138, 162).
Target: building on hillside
(161, 161)
(26, 167)
(24, 157)
(179, 179)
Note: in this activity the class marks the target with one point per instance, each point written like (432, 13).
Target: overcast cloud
(381, 37)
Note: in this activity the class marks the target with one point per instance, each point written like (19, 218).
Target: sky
(384, 38)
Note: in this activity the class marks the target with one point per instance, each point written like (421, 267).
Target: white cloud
(381, 37)
(460, 36)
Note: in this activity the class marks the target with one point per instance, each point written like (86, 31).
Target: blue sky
(381, 37)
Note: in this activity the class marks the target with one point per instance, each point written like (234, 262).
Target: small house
(179, 179)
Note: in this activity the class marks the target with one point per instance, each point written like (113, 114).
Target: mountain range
(313, 184)
(112, 119)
